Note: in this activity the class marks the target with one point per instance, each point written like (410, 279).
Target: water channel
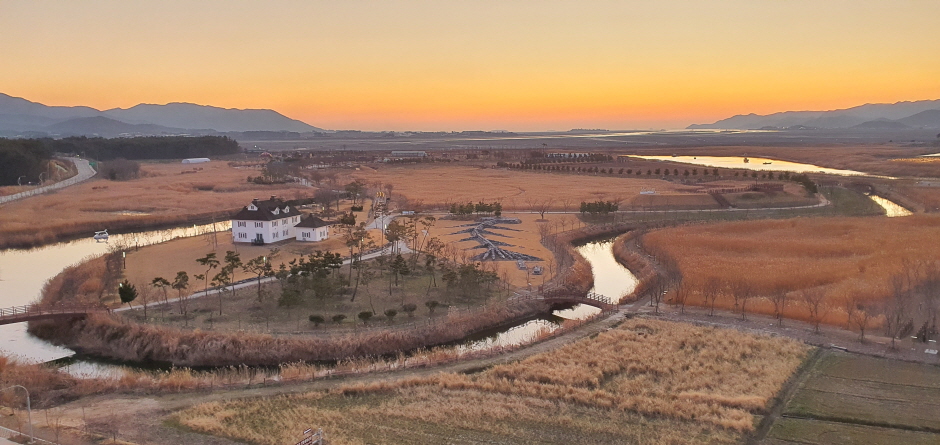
(891, 208)
(24, 272)
(751, 164)
(610, 279)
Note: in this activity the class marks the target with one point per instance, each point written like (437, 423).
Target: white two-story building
(264, 222)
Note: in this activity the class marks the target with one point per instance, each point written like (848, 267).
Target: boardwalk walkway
(18, 314)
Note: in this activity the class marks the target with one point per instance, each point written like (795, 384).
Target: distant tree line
(119, 170)
(151, 147)
(470, 208)
(22, 157)
(598, 207)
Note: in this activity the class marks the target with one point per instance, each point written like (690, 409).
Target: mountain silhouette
(843, 118)
(18, 115)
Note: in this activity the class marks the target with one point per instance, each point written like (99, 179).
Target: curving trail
(85, 172)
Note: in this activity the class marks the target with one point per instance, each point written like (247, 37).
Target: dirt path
(780, 403)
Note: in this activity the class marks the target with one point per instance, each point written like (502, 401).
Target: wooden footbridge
(18, 314)
(560, 298)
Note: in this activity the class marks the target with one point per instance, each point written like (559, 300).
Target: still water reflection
(23, 272)
(891, 208)
(610, 279)
(751, 164)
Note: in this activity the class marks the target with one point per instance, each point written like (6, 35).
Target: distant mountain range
(922, 114)
(21, 117)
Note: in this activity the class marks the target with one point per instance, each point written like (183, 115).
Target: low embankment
(107, 337)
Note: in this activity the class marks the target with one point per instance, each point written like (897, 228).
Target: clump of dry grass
(647, 381)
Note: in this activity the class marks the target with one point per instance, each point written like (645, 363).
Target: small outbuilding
(195, 160)
(312, 229)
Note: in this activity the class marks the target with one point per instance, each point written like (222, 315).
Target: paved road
(85, 172)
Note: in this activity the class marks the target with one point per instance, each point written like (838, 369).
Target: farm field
(620, 386)
(849, 399)
(839, 257)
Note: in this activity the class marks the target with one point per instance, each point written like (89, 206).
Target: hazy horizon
(452, 66)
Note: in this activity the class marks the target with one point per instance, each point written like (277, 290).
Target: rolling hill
(18, 115)
(863, 117)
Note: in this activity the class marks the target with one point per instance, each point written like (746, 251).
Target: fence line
(9, 434)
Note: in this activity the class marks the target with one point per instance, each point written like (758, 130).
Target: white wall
(268, 230)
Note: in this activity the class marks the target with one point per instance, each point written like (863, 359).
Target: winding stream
(751, 164)
(610, 279)
(23, 272)
(892, 209)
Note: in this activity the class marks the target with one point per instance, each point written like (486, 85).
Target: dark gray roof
(312, 223)
(265, 211)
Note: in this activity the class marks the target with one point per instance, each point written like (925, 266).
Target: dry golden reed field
(162, 195)
(438, 185)
(645, 381)
(842, 257)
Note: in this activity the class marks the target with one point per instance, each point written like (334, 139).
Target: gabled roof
(312, 223)
(265, 211)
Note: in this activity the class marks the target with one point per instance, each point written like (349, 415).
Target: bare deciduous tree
(897, 306)
(680, 296)
(861, 316)
(814, 300)
(780, 298)
(711, 289)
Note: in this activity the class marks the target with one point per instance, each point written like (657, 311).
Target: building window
(285, 232)
(259, 225)
(243, 235)
(274, 224)
(241, 224)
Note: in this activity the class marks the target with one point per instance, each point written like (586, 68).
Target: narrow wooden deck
(19, 314)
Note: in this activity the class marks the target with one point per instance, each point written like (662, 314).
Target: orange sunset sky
(449, 65)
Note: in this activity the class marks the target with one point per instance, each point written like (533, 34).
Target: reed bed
(646, 381)
(52, 386)
(162, 195)
(437, 186)
(845, 258)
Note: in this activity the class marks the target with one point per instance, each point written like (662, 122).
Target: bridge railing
(35, 309)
